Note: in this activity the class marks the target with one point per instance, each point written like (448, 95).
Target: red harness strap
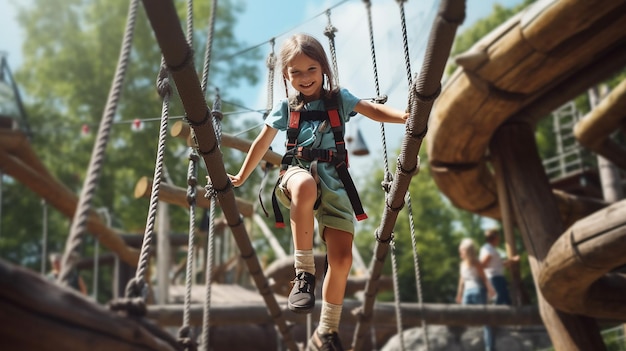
(339, 158)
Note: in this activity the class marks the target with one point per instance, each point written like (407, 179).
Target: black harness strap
(338, 158)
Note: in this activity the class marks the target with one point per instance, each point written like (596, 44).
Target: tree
(70, 56)
(437, 232)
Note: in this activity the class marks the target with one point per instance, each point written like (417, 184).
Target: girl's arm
(459, 290)
(259, 147)
(380, 112)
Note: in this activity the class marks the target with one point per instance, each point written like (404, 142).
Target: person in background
(474, 287)
(75, 280)
(493, 264)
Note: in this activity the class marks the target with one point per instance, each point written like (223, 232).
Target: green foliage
(69, 59)
(437, 230)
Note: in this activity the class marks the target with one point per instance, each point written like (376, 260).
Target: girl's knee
(303, 188)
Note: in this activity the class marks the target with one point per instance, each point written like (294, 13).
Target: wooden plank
(37, 314)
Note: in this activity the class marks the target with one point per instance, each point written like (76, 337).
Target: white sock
(304, 261)
(329, 318)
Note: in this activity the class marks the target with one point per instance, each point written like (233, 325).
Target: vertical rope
(208, 275)
(190, 23)
(163, 88)
(209, 47)
(368, 6)
(405, 42)
(216, 117)
(185, 333)
(79, 222)
(418, 281)
(396, 292)
(271, 65)
(330, 31)
(416, 266)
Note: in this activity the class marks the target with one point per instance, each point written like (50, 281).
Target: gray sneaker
(324, 342)
(302, 296)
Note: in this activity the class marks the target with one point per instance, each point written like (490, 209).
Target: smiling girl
(314, 182)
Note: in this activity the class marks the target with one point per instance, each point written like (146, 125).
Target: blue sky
(263, 20)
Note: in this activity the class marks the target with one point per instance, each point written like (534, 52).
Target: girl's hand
(459, 299)
(236, 180)
(491, 293)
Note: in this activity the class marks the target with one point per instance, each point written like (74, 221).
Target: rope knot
(135, 307)
(163, 82)
(411, 172)
(211, 192)
(386, 182)
(186, 340)
(134, 303)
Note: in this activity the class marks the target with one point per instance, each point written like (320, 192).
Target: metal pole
(44, 236)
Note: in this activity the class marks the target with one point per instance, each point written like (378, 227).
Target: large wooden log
(32, 173)
(384, 314)
(577, 274)
(539, 223)
(38, 314)
(178, 196)
(522, 63)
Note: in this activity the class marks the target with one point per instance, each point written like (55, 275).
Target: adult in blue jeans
(474, 287)
(493, 264)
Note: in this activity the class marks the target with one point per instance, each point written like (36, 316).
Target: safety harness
(338, 158)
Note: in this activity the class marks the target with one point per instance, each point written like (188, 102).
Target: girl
(473, 284)
(310, 184)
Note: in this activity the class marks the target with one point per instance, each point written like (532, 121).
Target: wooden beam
(494, 86)
(182, 130)
(384, 312)
(178, 196)
(595, 129)
(65, 201)
(577, 275)
(539, 223)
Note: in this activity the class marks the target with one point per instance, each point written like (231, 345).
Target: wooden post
(540, 224)
(508, 222)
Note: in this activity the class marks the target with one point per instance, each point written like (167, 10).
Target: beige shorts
(335, 210)
(282, 193)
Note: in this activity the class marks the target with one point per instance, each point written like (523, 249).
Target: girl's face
(305, 75)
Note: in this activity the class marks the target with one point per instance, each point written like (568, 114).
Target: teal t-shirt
(313, 134)
(335, 210)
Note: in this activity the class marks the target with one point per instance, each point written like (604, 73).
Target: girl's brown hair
(311, 47)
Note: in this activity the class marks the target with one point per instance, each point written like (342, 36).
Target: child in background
(474, 287)
(310, 184)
